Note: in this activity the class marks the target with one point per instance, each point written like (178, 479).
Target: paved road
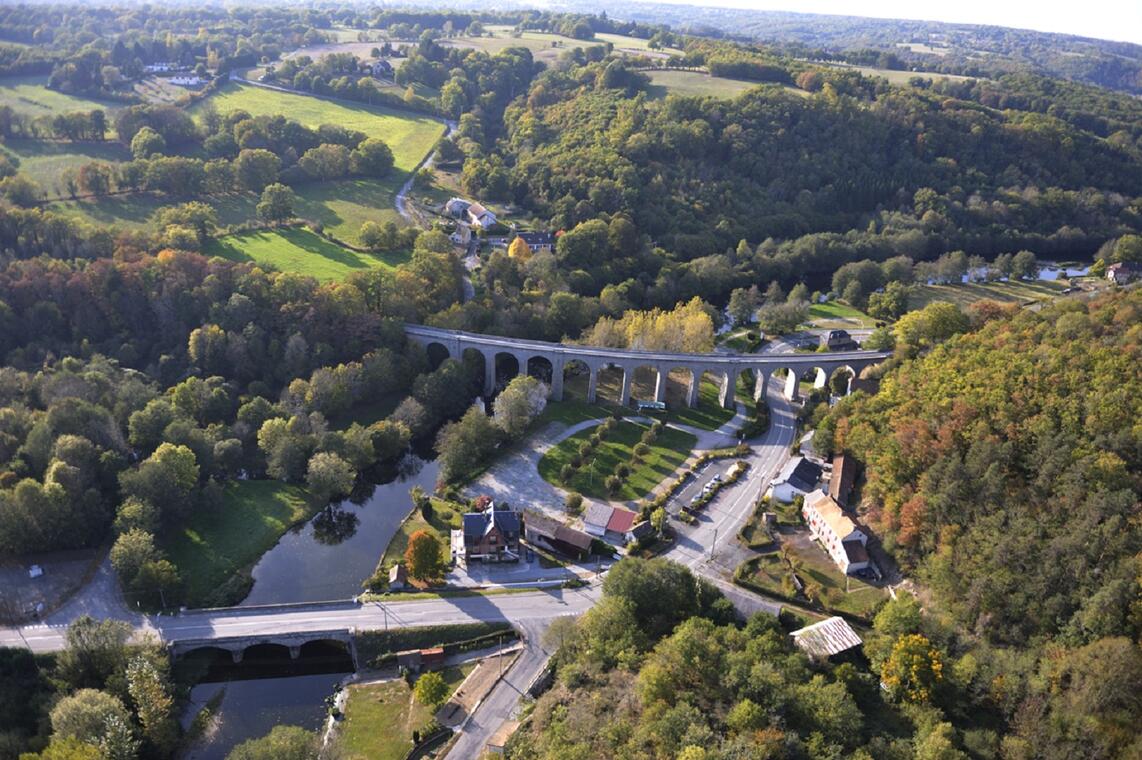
(516, 607)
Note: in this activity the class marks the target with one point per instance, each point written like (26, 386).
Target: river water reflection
(329, 557)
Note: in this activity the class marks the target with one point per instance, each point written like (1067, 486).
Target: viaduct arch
(726, 366)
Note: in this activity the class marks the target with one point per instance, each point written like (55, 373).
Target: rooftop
(556, 530)
(831, 512)
(826, 638)
(800, 473)
(478, 524)
(621, 520)
(841, 481)
(597, 514)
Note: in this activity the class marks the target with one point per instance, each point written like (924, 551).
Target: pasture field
(45, 161)
(30, 95)
(410, 135)
(969, 292)
(546, 46)
(135, 211)
(900, 78)
(834, 314)
(296, 250)
(663, 83)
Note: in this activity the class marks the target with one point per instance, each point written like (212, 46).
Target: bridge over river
(561, 358)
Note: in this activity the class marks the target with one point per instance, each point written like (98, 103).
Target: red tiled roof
(621, 520)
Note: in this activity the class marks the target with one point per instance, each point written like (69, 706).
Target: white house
(842, 539)
(457, 207)
(596, 518)
(187, 81)
(479, 215)
(798, 477)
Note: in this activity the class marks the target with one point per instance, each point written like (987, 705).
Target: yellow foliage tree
(686, 328)
(519, 250)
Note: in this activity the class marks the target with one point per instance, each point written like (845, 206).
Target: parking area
(698, 483)
(530, 568)
(60, 574)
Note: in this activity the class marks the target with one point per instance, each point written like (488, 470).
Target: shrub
(641, 449)
(622, 469)
(585, 449)
(657, 426)
(574, 503)
(576, 461)
(614, 483)
(649, 437)
(610, 423)
(566, 472)
(596, 439)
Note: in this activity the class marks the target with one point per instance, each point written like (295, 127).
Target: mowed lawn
(410, 135)
(837, 314)
(297, 250)
(214, 545)
(669, 450)
(380, 717)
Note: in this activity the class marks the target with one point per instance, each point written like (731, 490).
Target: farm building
(546, 533)
(827, 638)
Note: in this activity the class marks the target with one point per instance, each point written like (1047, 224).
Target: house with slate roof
(491, 536)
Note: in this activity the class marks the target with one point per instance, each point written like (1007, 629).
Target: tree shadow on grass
(311, 243)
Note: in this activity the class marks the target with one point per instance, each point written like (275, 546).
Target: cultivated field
(546, 47)
(296, 250)
(30, 95)
(968, 293)
(410, 135)
(899, 77)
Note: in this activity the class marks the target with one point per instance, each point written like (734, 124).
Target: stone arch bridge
(727, 366)
(292, 642)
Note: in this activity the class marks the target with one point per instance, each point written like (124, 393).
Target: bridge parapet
(237, 645)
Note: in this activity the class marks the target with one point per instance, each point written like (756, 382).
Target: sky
(1105, 19)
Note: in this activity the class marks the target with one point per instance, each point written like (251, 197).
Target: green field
(380, 717)
(663, 83)
(410, 135)
(899, 78)
(296, 250)
(666, 454)
(30, 95)
(216, 547)
(837, 314)
(970, 292)
(45, 161)
(837, 592)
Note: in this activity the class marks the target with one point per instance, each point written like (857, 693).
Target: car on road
(717, 478)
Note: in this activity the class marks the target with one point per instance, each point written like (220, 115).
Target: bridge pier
(729, 381)
(695, 387)
(660, 384)
(592, 384)
(294, 652)
(237, 654)
(821, 379)
(791, 381)
(556, 380)
(489, 375)
(624, 396)
(759, 385)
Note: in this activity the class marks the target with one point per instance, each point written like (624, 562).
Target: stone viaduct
(293, 642)
(560, 357)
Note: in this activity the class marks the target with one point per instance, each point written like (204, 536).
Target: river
(329, 557)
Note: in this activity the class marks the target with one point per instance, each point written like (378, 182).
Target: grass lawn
(215, 545)
(837, 314)
(410, 135)
(295, 249)
(839, 592)
(136, 210)
(970, 292)
(571, 412)
(30, 94)
(899, 78)
(663, 83)
(709, 414)
(344, 205)
(45, 161)
(444, 519)
(380, 717)
(666, 454)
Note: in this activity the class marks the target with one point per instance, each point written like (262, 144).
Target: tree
(146, 143)
(276, 204)
(467, 442)
(372, 158)
(890, 304)
(69, 749)
(422, 556)
(131, 551)
(281, 743)
(20, 190)
(519, 250)
(1023, 265)
(150, 688)
(900, 616)
(325, 162)
(518, 404)
(431, 690)
(329, 476)
(256, 168)
(84, 715)
(743, 304)
(913, 670)
(166, 479)
(933, 324)
(95, 178)
(95, 649)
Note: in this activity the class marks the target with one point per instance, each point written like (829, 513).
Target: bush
(596, 439)
(657, 426)
(585, 449)
(574, 503)
(614, 483)
(610, 423)
(566, 472)
(641, 449)
(649, 437)
(622, 469)
(576, 461)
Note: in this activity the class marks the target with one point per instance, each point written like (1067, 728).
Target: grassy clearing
(295, 250)
(343, 206)
(708, 414)
(837, 314)
(45, 161)
(899, 78)
(572, 412)
(380, 717)
(666, 454)
(410, 135)
(663, 83)
(838, 592)
(216, 545)
(137, 210)
(30, 95)
(622, 42)
(968, 293)
(444, 519)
